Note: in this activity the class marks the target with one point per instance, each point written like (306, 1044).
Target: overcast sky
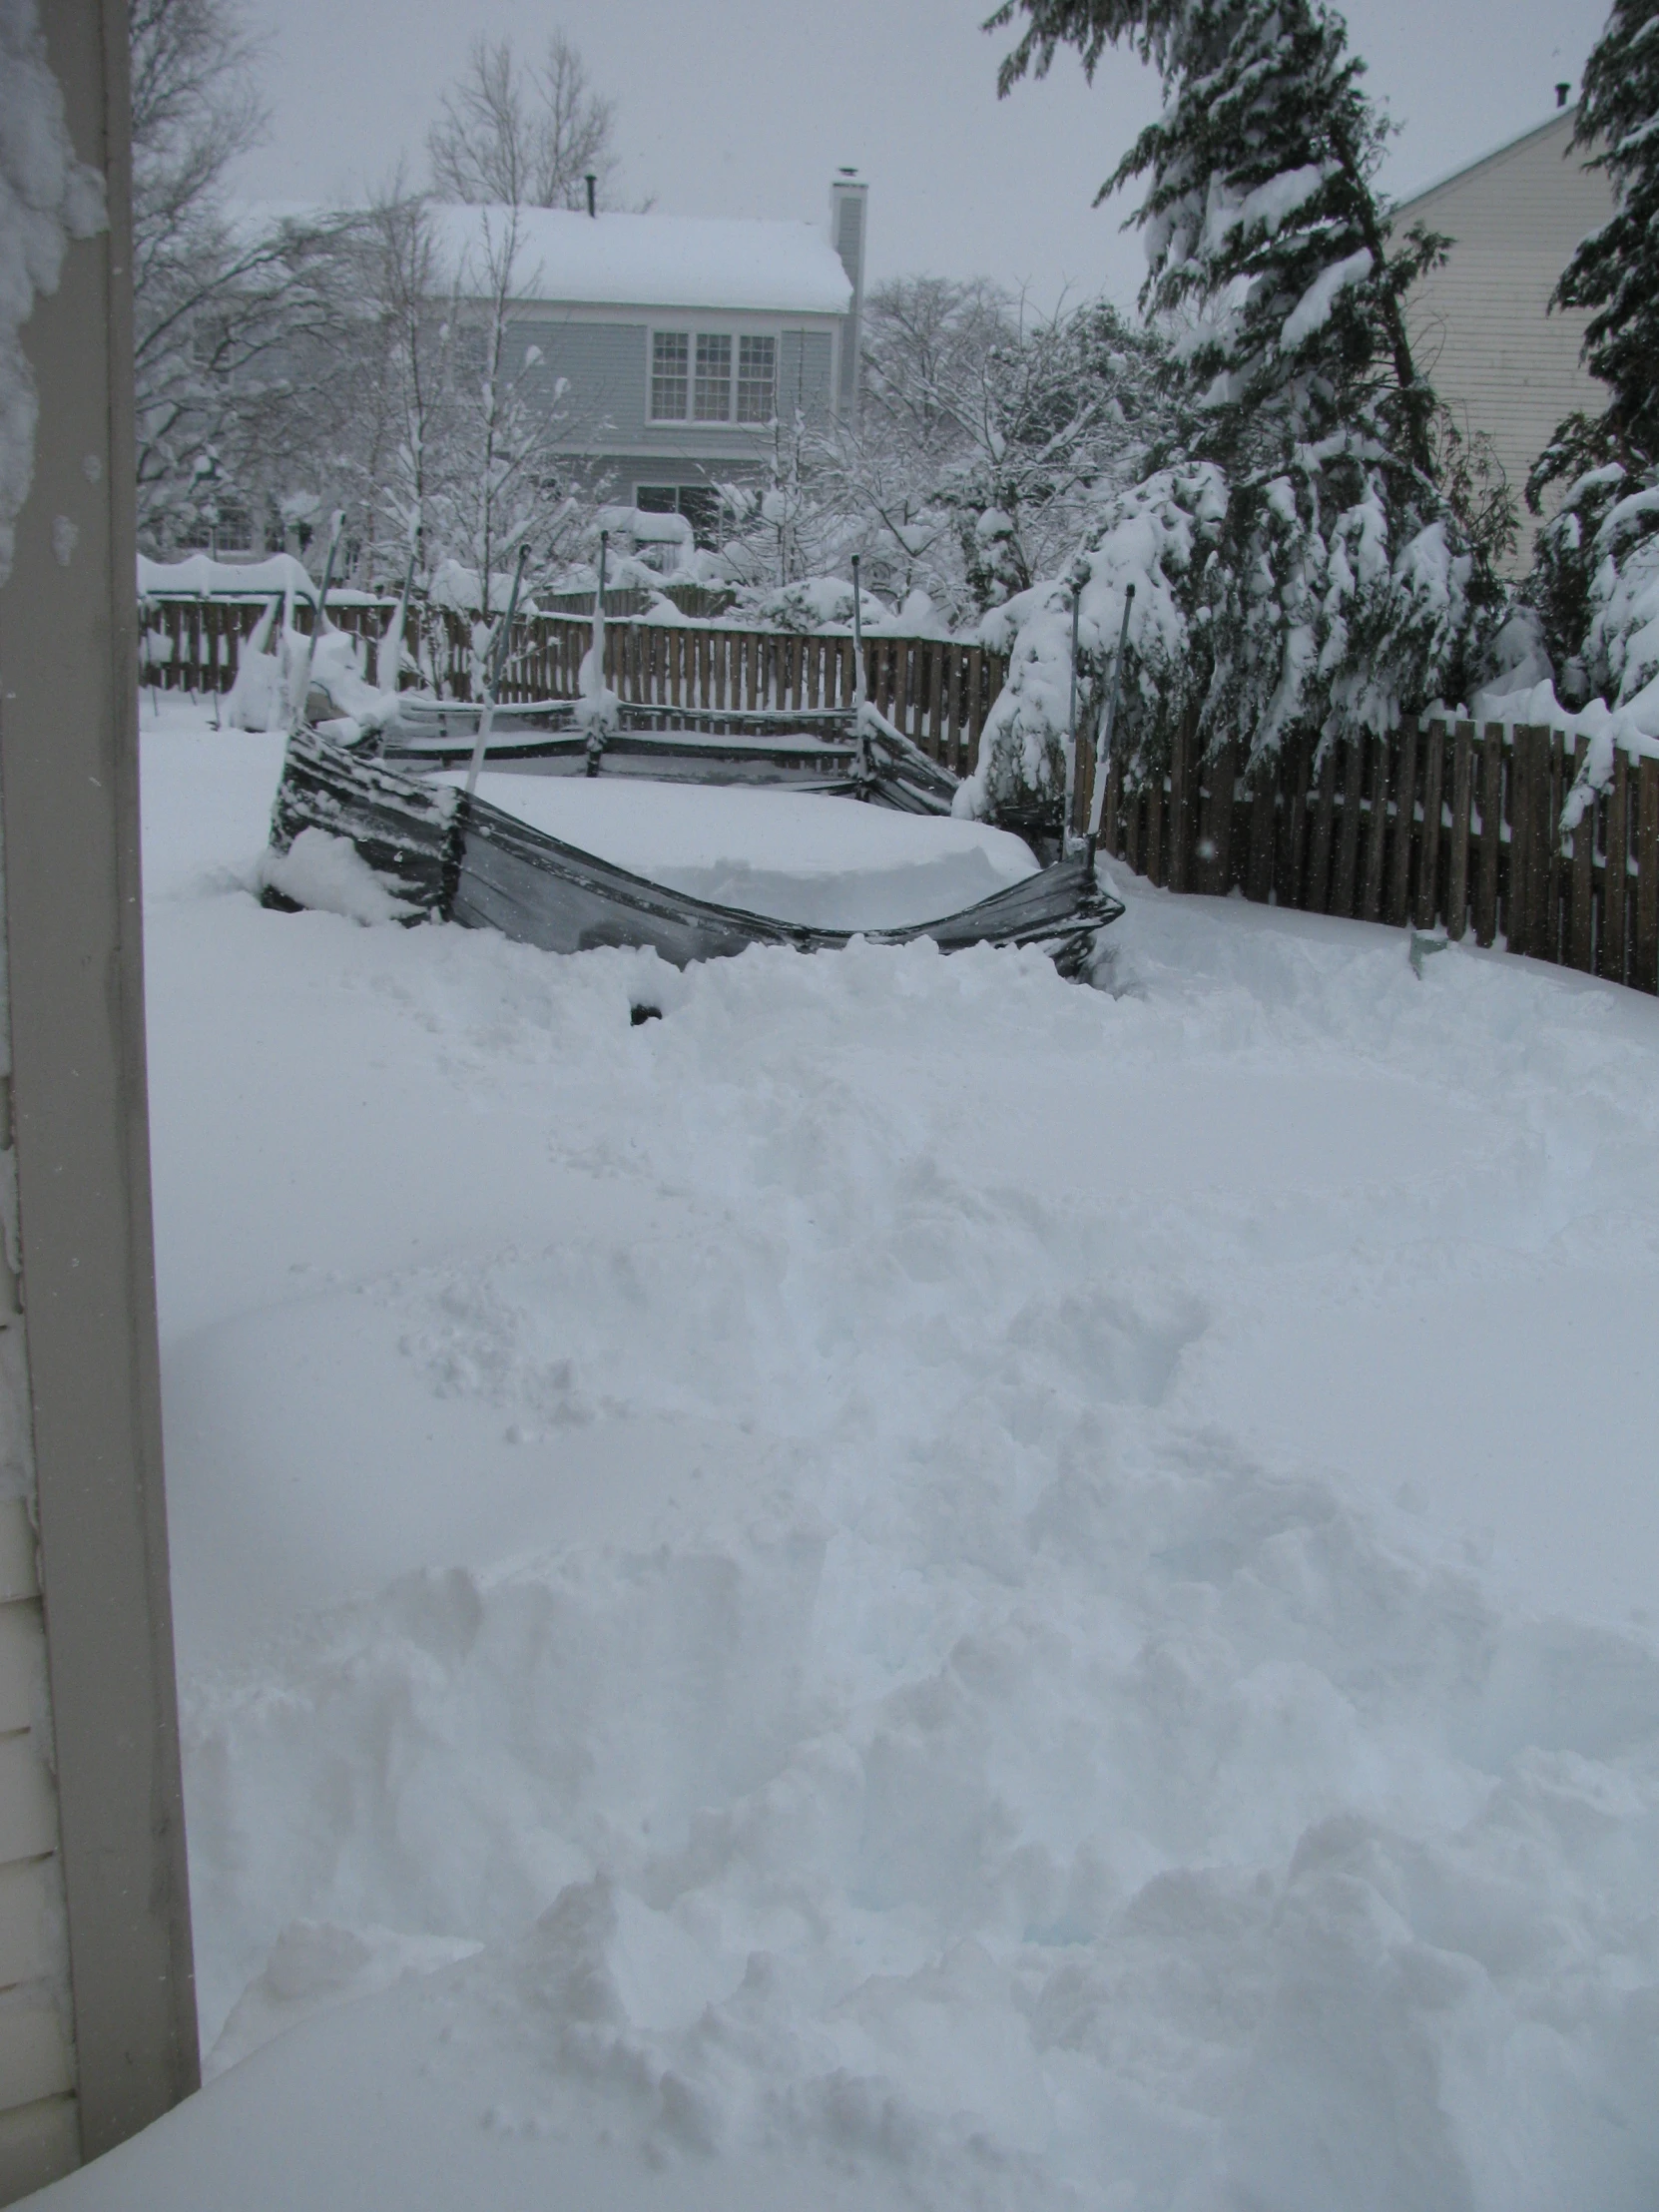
(747, 108)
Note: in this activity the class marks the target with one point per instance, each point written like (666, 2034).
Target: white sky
(747, 107)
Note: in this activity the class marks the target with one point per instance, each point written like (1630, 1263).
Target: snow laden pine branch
(1312, 565)
(1596, 576)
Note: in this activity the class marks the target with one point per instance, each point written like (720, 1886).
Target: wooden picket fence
(1439, 823)
(195, 645)
(936, 690)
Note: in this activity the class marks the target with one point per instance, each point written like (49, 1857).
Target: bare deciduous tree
(522, 133)
(232, 315)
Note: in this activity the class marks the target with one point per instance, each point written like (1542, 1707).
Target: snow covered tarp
(440, 852)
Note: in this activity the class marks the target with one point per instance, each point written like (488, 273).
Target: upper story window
(712, 377)
(670, 376)
(757, 379)
(712, 401)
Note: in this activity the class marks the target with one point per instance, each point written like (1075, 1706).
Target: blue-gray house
(672, 345)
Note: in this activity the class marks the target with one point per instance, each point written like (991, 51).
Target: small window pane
(713, 400)
(757, 379)
(670, 376)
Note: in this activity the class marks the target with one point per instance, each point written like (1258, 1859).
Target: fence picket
(1580, 948)
(1550, 862)
(1615, 874)
(1431, 742)
(1224, 792)
(1457, 863)
(1645, 966)
(1405, 823)
(1318, 893)
(1347, 844)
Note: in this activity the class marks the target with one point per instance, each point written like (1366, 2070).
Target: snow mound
(330, 875)
(983, 1594)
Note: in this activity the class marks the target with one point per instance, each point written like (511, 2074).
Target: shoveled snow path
(1036, 1586)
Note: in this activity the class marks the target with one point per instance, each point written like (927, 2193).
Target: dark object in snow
(441, 853)
(640, 1015)
(808, 750)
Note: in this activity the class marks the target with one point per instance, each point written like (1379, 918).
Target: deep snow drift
(982, 1592)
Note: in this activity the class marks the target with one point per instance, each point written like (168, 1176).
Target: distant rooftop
(1555, 121)
(659, 260)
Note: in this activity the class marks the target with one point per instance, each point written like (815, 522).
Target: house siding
(604, 362)
(804, 368)
(604, 365)
(1481, 327)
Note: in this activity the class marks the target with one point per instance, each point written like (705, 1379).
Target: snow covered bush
(1158, 536)
(1339, 580)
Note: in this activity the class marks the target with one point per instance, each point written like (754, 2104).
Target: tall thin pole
(596, 655)
(301, 690)
(492, 677)
(858, 700)
(1103, 751)
(1072, 763)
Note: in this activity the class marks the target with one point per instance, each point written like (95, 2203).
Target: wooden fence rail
(1438, 822)
(936, 690)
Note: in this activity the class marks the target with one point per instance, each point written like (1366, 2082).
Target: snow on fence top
(199, 576)
(657, 260)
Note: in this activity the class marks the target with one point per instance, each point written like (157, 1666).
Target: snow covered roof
(659, 260)
(1552, 122)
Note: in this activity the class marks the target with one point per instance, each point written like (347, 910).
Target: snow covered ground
(913, 1585)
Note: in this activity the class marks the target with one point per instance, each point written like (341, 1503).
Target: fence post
(1348, 847)
(1405, 823)
(1615, 877)
(1264, 817)
(1457, 866)
(1580, 948)
(1316, 898)
(1179, 836)
(1646, 965)
(1431, 742)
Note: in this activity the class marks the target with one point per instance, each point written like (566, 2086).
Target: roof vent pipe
(592, 182)
(1561, 92)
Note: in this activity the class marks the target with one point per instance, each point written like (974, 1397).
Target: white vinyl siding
(1481, 327)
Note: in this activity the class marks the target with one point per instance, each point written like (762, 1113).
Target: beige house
(1481, 327)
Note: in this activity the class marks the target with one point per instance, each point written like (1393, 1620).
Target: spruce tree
(1342, 584)
(1596, 567)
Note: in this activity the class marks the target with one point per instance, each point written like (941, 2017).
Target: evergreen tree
(1596, 568)
(1343, 582)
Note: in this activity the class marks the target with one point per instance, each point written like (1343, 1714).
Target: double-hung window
(670, 376)
(713, 377)
(757, 379)
(712, 398)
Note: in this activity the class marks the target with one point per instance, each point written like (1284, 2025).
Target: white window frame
(734, 336)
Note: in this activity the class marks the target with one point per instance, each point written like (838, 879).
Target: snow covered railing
(1344, 831)
(936, 690)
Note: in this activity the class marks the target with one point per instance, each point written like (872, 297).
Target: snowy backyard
(913, 1585)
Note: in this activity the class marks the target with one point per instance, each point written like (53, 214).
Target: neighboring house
(672, 345)
(1482, 328)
